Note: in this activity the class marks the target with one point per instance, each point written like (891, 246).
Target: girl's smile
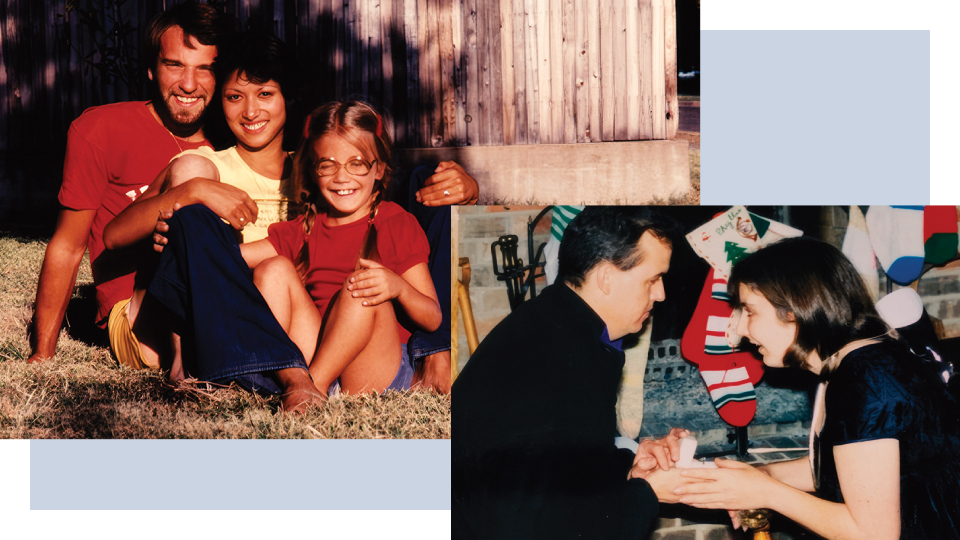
(349, 196)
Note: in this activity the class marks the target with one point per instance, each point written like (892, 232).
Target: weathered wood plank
(593, 55)
(340, 52)
(532, 68)
(494, 72)
(387, 65)
(659, 73)
(646, 78)
(471, 71)
(413, 126)
(460, 127)
(424, 44)
(670, 54)
(448, 101)
(632, 88)
(620, 70)
(581, 75)
(556, 70)
(570, 74)
(607, 83)
(508, 88)
(520, 73)
(485, 113)
(544, 88)
(374, 51)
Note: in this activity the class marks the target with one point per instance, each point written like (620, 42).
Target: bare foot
(298, 390)
(176, 368)
(433, 373)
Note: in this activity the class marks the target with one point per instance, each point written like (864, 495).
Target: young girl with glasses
(341, 306)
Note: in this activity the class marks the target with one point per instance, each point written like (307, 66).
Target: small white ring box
(688, 448)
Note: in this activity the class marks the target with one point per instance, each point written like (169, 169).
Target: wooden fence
(452, 72)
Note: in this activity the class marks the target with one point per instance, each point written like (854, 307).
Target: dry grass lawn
(82, 393)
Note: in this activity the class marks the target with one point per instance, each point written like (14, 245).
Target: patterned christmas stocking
(729, 375)
(939, 234)
(896, 234)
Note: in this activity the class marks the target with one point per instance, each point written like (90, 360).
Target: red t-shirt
(113, 153)
(333, 249)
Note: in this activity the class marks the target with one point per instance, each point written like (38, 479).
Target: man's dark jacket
(534, 418)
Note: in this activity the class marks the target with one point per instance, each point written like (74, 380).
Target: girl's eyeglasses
(330, 166)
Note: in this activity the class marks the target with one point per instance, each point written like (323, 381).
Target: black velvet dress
(882, 391)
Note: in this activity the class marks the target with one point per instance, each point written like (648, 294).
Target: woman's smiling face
(255, 112)
(761, 325)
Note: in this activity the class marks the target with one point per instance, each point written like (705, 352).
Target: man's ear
(150, 73)
(603, 276)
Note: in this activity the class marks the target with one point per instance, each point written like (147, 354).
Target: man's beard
(181, 119)
(182, 116)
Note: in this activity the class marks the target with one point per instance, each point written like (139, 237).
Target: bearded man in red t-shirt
(115, 151)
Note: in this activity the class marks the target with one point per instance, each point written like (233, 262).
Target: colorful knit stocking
(729, 375)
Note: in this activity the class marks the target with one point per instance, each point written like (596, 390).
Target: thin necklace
(180, 148)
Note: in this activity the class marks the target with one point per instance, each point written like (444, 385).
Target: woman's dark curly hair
(259, 57)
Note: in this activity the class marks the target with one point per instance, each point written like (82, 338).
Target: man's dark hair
(201, 21)
(260, 57)
(609, 233)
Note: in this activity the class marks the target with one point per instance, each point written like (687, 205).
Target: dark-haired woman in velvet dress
(885, 436)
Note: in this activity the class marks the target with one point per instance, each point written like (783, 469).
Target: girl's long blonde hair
(350, 120)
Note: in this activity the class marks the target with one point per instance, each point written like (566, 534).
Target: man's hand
(161, 228)
(662, 453)
(434, 373)
(449, 184)
(664, 483)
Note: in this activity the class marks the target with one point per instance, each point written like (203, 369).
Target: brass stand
(756, 520)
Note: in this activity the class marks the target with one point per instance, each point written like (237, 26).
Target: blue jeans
(435, 222)
(208, 288)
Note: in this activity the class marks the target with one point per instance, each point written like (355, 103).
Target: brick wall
(479, 227)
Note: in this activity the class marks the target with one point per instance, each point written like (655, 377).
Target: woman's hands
(232, 204)
(732, 486)
(375, 283)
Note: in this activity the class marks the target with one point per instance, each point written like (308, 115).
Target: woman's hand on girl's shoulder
(374, 283)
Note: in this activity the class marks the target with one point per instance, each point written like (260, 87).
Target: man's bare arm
(58, 275)
(187, 180)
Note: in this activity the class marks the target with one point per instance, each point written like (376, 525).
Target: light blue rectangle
(240, 475)
(815, 117)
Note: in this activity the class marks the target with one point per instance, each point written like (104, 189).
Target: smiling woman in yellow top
(259, 81)
(259, 85)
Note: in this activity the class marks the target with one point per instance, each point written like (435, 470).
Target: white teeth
(345, 191)
(254, 127)
(186, 100)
